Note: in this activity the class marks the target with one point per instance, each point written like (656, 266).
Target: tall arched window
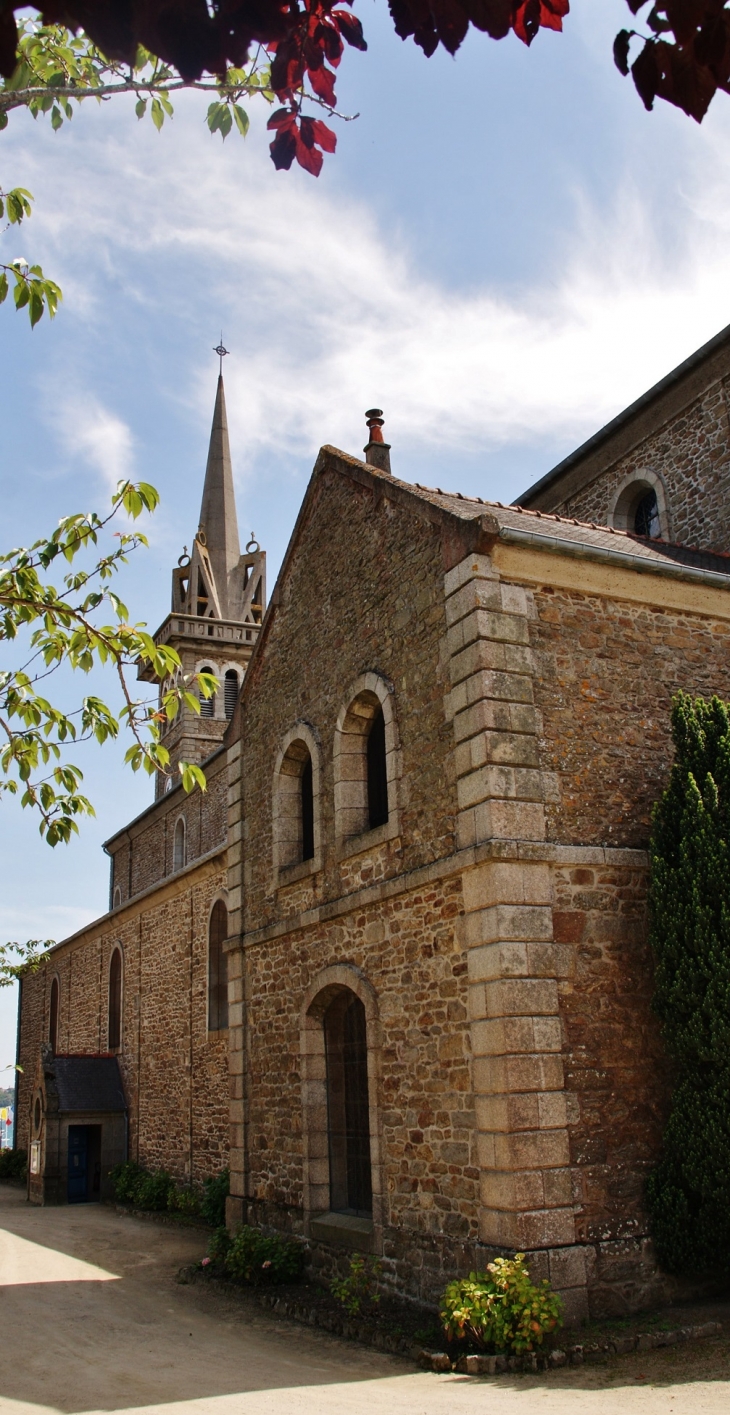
(377, 772)
(348, 1110)
(207, 705)
(217, 969)
(366, 763)
(115, 1000)
(296, 783)
(230, 692)
(178, 846)
(53, 1016)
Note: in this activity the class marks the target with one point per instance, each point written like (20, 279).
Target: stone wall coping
(170, 884)
(521, 850)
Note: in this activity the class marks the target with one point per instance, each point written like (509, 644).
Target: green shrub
(12, 1164)
(133, 1184)
(219, 1245)
(125, 1179)
(688, 1194)
(213, 1203)
(183, 1201)
(501, 1308)
(257, 1257)
(358, 1291)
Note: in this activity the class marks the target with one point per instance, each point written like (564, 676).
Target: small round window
(646, 516)
(37, 1114)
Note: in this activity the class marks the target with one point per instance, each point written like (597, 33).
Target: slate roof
(89, 1083)
(566, 534)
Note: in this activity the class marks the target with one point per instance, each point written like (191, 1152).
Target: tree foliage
(689, 1191)
(49, 626)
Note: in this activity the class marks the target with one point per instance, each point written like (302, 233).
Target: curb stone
(576, 1355)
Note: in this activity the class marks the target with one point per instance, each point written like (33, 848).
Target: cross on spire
(221, 352)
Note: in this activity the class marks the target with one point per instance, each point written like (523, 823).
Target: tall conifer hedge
(689, 1191)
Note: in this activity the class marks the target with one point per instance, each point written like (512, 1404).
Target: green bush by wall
(688, 1193)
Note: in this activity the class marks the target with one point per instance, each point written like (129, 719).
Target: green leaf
(241, 117)
(157, 113)
(140, 107)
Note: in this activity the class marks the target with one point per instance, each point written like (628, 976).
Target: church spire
(218, 520)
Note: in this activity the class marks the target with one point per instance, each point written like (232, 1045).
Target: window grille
(207, 705)
(217, 969)
(230, 692)
(53, 1021)
(646, 516)
(178, 846)
(348, 1111)
(115, 1001)
(377, 772)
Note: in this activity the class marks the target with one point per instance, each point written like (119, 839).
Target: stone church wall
(175, 1072)
(690, 452)
(142, 854)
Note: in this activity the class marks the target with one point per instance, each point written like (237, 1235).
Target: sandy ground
(93, 1320)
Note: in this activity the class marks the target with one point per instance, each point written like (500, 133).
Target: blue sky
(505, 250)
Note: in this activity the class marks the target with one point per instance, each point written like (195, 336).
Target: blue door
(78, 1163)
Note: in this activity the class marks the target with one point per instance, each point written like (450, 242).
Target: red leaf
(323, 83)
(282, 118)
(284, 149)
(350, 28)
(310, 158)
(323, 136)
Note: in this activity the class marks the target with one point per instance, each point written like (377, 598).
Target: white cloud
(328, 314)
(99, 437)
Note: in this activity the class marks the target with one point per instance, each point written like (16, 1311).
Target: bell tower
(218, 602)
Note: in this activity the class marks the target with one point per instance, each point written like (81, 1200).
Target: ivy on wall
(689, 1192)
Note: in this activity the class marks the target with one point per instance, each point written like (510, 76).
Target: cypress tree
(688, 1193)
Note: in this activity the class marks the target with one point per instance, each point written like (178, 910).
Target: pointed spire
(218, 509)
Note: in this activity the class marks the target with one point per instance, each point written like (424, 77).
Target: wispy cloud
(93, 434)
(329, 314)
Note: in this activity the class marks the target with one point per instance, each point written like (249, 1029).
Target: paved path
(92, 1320)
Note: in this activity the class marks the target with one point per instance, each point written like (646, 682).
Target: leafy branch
(19, 959)
(65, 629)
(30, 288)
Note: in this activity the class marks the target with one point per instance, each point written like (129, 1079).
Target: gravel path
(93, 1320)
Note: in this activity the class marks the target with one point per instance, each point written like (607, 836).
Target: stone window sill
(343, 1231)
(290, 874)
(369, 839)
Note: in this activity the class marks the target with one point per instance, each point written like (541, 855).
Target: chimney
(377, 452)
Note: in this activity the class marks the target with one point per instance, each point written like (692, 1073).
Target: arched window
(117, 897)
(348, 1111)
(217, 969)
(296, 786)
(377, 772)
(115, 1000)
(178, 846)
(640, 506)
(646, 516)
(230, 692)
(207, 705)
(366, 763)
(53, 1017)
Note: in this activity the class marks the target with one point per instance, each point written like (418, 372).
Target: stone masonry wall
(605, 674)
(143, 854)
(175, 1072)
(691, 453)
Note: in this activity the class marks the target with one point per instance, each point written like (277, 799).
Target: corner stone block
(500, 820)
(525, 997)
(536, 1149)
(506, 923)
(475, 594)
(505, 1075)
(507, 882)
(472, 567)
(568, 1267)
(511, 1192)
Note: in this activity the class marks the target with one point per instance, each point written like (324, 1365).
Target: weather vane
(221, 352)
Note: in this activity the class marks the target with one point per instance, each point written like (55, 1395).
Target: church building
(392, 967)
